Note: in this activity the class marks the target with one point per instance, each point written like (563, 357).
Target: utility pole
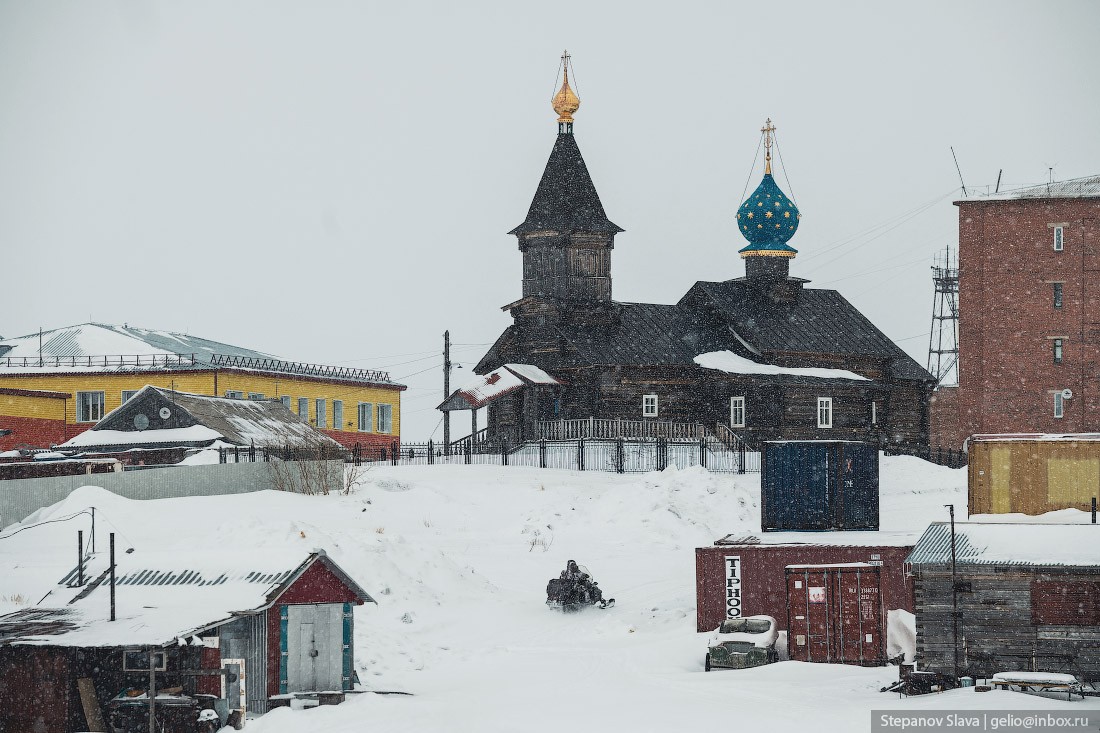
(954, 591)
(446, 391)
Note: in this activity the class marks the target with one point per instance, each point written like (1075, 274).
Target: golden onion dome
(565, 102)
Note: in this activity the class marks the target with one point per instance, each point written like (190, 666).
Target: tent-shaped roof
(162, 596)
(566, 199)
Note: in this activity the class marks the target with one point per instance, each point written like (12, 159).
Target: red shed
(746, 575)
(244, 627)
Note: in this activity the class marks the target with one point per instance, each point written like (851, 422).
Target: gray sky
(332, 181)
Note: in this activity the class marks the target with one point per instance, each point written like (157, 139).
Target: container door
(795, 486)
(811, 637)
(858, 501)
(847, 621)
(1000, 479)
(872, 625)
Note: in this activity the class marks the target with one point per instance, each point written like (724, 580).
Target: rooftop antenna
(39, 346)
(959, 170)
(998, 188)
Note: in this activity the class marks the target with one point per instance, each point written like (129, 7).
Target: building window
(322, 416)
(737, 412)
(255, 395)
(89, 406)
(824, 412)
(366, 414)
(874, 412)
(649, 405)
(1058, 242)
(303, 409)
(127, 394)
(1057, 294)
(234, 394)
(1059, 405)
(338, 414)
(1057, 351)
(385, 418)
(285, 399)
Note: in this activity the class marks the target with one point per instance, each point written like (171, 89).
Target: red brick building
(1029, 310)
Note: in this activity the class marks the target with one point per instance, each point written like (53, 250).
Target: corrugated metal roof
(1037, 545)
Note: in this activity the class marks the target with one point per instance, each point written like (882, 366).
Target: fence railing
(939, 455)
(617, 428)
(101, 360)
(618, 455)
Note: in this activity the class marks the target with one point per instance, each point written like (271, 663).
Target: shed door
(315, 647)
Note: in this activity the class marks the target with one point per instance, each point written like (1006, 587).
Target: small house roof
(1042, 545)
(193, 419)
(485, 388)
(162, 596)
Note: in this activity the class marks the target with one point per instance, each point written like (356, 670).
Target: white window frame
(256, 396)
(234, 394)
(1059, 405)
(366, 409)
(1059, 348)
(126, 394)
(385, 419)
(303, 409)
(650, 405)
(874, 412)
(1059, 239)
(824, 412)
(337, 414)
(1059, 294)
(81, 416)
(737, 412)
(321, 412)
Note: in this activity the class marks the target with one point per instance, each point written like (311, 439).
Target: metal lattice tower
(943, 342)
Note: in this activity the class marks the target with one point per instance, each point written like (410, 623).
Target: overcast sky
(333, 181)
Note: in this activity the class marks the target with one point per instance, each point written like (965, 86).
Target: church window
(649, 405)
(824, 412)
(737, 412)
(1057, 294)
(1059, 405)
(1058, 351)
(874, 413)
(1058, 234)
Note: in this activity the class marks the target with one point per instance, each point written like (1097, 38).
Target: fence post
(542, 454)
(236, 454)
(580, 453)
(741, 457)
(394, 453)
(252, 453)
(470, 450)
(431, 453)
(504, 452)
(221, 455)
(620, 459)
(662, 459)
(702, 451)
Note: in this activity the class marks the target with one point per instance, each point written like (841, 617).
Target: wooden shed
(1032, 473)
(247, 628)
(1028, 598)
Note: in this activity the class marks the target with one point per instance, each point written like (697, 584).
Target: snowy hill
(458, 558)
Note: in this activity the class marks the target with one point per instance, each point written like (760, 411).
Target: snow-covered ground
(458, 558)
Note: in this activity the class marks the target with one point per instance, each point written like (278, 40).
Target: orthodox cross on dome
(565, 102)
(768, 129)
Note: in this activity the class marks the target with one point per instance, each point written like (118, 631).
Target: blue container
(819, 485)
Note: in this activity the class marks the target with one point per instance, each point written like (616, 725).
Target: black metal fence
(939, 455)
(610, 455)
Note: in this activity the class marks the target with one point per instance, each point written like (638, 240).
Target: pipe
(80, 557)
(112, 576)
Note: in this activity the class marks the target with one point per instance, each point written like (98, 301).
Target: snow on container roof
(161, 596)
(1045, 545)
(731, 363)
(1086, 187)
(497, 383)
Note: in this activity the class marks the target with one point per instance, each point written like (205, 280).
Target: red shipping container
(750, 573)
(834, 614)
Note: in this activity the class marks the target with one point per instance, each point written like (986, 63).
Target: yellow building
(56, 384)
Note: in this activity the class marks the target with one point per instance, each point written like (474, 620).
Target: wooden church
(761, 356)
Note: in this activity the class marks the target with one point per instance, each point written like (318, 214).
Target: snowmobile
(574, 589)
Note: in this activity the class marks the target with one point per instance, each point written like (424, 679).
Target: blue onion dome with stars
(768, 218)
